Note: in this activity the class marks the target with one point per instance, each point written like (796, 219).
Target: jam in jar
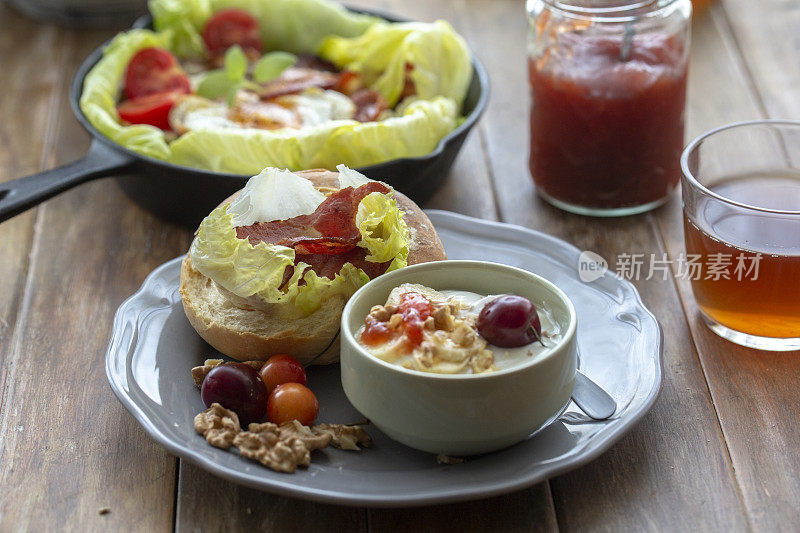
(608, 87)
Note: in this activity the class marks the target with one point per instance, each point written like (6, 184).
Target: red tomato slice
(154, 70)
(152, 109)
(229, 27)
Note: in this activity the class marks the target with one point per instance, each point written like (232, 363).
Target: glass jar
(608, 88)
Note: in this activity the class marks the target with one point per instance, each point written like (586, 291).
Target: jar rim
(610, 10)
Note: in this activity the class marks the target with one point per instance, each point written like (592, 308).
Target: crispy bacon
(315, 62)
(295, 80)
(369, 105)
(327, 238)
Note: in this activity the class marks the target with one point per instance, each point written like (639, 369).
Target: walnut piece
(199, 373)
(443, 318)
(443, 459)
(483, 362)
(463, 335)
(394, 320)
(282, 448)
(311, 439)
(218, 425)
(262, 443)
(344, 437)
(379, 313)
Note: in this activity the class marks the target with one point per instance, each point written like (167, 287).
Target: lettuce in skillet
(440, 68)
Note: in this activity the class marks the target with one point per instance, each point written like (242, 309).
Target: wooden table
(718, 451)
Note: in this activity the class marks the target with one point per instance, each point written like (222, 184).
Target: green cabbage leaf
(384, 233)
(297, 26)
(247, 270)
(439, 56)
(415, 132)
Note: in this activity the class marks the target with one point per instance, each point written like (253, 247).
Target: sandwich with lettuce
(270, 270)
(234, 85)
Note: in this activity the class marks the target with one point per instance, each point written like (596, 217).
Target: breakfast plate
(153, 346)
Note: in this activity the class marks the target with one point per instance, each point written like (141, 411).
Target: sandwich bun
(250, 329)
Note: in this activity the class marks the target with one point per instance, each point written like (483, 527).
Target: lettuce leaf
(417, 131)
(439, 57)
(247, 270)
(184, 19)
(99, 97)
(297, 26)
(238, 266)
(384, 233)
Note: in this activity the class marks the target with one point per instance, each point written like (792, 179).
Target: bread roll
(251, 330)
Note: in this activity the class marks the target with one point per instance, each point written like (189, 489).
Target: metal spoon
(627, 40)
(592, 399)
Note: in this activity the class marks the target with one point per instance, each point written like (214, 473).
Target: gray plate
(153, 347)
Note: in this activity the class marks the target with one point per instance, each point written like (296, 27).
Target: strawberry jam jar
(608, 90)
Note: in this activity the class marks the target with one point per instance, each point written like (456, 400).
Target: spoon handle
(592, 399)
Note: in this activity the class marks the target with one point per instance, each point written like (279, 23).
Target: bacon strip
(295, 80)
(327, 238)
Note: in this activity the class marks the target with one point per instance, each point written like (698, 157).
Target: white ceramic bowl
(460, 414)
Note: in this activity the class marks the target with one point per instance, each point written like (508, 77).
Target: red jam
(414, 308)
(375, 332)
(607, 133)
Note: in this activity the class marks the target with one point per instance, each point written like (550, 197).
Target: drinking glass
(741, 215)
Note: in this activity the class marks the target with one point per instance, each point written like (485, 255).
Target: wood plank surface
(69, 447)
(755, 393)
(23, 137)
(717, 452)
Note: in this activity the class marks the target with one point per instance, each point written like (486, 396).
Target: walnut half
(218, 425)
(344, 437)
(281, 448)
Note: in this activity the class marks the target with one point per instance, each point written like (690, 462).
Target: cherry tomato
(280, 369)
(229, 27)
(154, 70)
(152, 109)
(292, 401)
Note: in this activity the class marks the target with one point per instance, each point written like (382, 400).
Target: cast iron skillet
(185, 195)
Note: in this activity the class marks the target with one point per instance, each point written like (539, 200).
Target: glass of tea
(608, 92)
(741, 209)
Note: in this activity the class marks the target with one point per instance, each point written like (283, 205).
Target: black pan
(185, 195)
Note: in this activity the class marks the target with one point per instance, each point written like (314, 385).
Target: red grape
(280, 369)
(237, 387)
(292, 401)
(509, 321)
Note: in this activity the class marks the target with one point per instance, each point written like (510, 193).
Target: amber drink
(741, 191)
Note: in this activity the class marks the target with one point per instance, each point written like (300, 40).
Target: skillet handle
(21, 194)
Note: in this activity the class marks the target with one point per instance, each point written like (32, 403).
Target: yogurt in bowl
(458, 400)
(424, 329)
